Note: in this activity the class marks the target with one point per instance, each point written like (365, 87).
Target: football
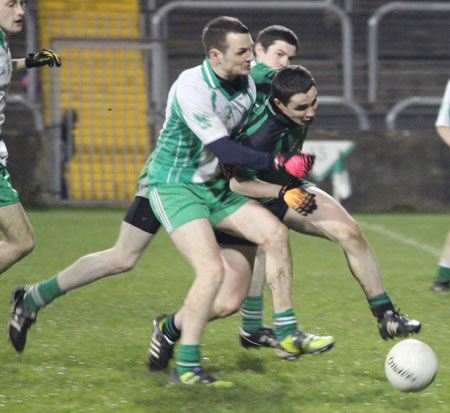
(411, 365)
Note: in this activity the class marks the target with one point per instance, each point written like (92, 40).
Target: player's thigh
(14, 223)
(132, 240)
(138, 227)
(197, 242)
(327, 221)
(254, 222)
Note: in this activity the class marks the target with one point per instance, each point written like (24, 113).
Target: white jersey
(443, 118)
(199, 112)
(5, 81)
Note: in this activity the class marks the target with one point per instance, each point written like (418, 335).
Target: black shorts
(277, 206)
(141, 216)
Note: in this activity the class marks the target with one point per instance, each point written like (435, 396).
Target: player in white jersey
(189, 196)
(18, 235)
(442, 281)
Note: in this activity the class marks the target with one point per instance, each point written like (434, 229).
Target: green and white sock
(285, 323)
(379, 304)
(443, 271)
(252, 313)
(169, 328)
(41, 294)
(188, 357)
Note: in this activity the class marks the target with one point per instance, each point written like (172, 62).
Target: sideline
(405, 240)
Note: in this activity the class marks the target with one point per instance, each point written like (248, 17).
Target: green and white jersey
(262, 75)
(5, 81)
(443, 118)
(199, 111)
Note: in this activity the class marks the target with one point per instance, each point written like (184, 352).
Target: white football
(411, 365)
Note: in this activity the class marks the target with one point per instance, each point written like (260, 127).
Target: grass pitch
(87, 350)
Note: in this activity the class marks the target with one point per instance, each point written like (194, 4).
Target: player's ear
(259, 50)
(278, 104)
(214, 55)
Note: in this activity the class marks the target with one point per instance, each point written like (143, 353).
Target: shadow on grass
(254, 364)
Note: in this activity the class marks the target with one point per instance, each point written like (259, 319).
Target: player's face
(277, 55)
(237, 57)
(301, 108)
(11, 15)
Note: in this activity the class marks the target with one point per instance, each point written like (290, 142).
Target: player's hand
(229, 171)
(298, 164)
(298, 199)
(45, 57)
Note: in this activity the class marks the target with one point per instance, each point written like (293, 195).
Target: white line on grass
(399, 237)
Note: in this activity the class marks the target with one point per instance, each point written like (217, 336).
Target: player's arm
(18, 64)
(444, 133)
(297, 164)
(194, 107)
(295, 197)
(255, 188)
(45, 57)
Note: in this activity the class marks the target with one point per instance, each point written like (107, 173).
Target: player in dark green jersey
(275, 47)
(283, 122)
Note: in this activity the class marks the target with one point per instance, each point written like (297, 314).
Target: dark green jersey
(262, 75)
(269, 130)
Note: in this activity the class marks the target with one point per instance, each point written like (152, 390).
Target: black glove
(44, 57)
(298, 199)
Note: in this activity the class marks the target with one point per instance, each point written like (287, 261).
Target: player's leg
(331, 221)
(237, 261)
(257, 224)
(442, 281)
(196, 242)
(18, 235)
(185, 210)
(136, 231)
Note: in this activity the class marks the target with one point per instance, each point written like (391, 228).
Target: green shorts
(178, 204)
(8, 195)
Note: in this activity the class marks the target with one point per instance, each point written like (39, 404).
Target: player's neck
(4, 37)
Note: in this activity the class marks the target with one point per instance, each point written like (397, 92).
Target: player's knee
(27, 245)
(231, 307)
(278, 237)
(124, 262)
(349, 233)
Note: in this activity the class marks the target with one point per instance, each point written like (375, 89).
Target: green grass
(87, 350)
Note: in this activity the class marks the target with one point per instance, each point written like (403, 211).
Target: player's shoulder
(192, 81)
(262, 73)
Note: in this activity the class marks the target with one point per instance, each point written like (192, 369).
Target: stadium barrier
(373, 58)
(159, 21)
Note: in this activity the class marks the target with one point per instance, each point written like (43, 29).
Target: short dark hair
(268, 36)
(289, 81)
(215, 32)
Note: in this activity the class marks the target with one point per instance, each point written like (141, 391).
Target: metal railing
(373, 29)
(160, 80)
(400, 106)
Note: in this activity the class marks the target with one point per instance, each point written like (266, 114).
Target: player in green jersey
(18, 235)
(275, 47)
(283, 122)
